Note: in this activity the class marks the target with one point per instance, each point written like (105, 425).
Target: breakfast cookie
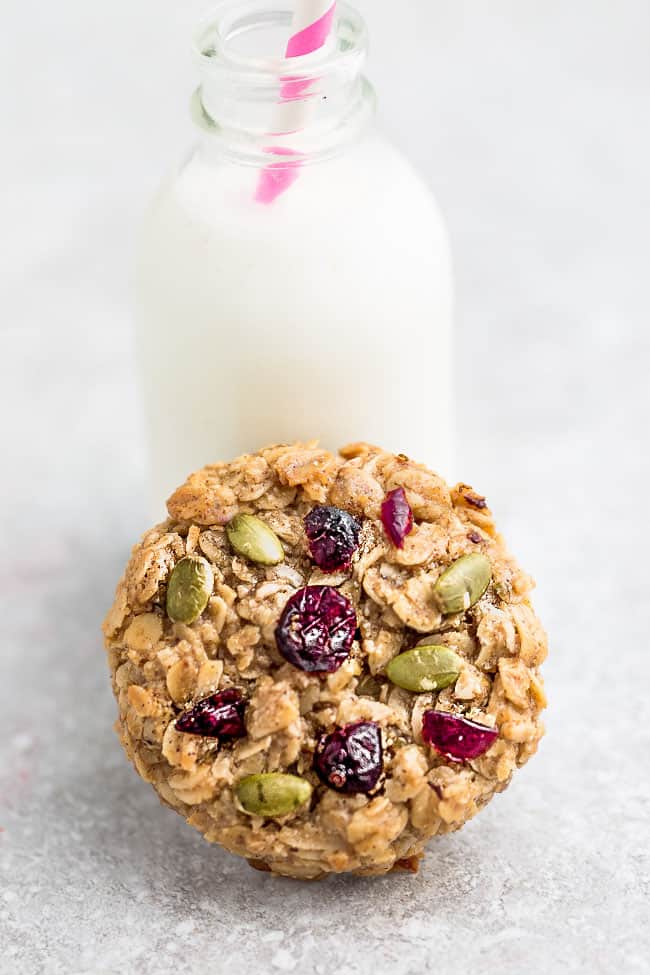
(322, 661)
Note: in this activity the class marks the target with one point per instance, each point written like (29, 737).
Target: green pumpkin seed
(189, 588)
(251, 537)
(425, 668)
(463, 583)
(272, 793)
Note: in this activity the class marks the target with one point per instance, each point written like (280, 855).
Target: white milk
(326, 314)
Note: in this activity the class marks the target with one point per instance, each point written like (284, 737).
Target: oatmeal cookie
(322, 661)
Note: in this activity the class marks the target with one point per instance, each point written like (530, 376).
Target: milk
(324, 315)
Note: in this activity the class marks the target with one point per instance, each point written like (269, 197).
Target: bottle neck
(261, 110)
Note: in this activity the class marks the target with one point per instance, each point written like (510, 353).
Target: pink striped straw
(310, 28)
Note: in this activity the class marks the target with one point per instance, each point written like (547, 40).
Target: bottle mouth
(235, 45)
(262, 107)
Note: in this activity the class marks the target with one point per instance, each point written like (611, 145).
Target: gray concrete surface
(530, 121)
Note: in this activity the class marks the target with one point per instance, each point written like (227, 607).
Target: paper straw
(310, 28)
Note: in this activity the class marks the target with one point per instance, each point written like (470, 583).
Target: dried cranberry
(457, 738)
(396, 516)
(351, 758)
(219, 716)
(316, 629)
(333, 537)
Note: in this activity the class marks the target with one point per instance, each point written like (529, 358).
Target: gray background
(530, 121)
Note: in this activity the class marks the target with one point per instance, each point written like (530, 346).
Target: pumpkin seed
(251, 537)
(463, 583)
(272, 793)
(425, 668)
(189, 589)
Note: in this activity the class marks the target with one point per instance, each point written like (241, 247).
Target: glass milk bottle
(294, 285)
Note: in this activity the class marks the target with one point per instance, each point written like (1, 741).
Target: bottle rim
(214, 50)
